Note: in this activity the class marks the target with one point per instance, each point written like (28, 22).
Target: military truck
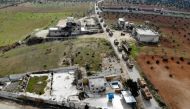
(110, 33)
(130, 63)
(146, 93)
(116, 42)
(141, 82)
(125, 56)
(126, 47)
(119, 48)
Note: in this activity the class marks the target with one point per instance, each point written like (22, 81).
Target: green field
(135, 50)
(16, 26)
(37, 84)
(49, 55)
(18, 22)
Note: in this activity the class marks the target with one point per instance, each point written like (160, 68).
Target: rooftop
(128, 97)
(70, 19)
(117, 103)
(97, 81)
(90, 21)
(142, 31)
(53, 29)
(121, 19)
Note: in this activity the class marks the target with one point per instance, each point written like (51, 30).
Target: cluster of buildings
(72, 27)
(140, 33)
(95, 91)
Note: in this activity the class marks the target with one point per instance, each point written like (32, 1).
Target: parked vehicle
(110, 34)
(116, 42)
(107, 30)
(141, 82)
(146, 93)
(122, 34)
(126, 47)
(119, 48)
(125, 56)
(130, 63)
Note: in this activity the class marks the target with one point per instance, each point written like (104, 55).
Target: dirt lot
(172, 78)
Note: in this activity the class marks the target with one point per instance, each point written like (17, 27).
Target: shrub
(157, 61)
(181, 59)
(151, 67)
(45, 66)
(165, 59)
(177, 62)
(166, 67)
(173, 41)
(172, 58)
(170, 75)
(148, 62)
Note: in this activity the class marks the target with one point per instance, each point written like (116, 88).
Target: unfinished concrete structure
(72, 27)
(97, 84)
(145, 35)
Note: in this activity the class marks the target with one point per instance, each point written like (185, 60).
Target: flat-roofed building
(146, 35)
(97, 84)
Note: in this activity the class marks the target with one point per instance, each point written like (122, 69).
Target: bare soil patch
(172, 79)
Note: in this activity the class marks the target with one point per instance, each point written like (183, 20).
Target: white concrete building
(97, 84)
(146, 35)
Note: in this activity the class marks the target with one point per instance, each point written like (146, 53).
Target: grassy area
(50, 55)
(16, 26)
(135, 50)
(37, 85)
(17, 22)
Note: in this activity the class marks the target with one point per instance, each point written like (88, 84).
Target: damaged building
(72, 27)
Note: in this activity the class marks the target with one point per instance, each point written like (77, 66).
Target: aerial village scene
(94, 54)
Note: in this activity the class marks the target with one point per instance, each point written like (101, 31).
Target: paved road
(165, 12)
(132, 73)
(169, 13)
(5, 104)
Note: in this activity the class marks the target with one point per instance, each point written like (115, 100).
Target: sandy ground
(176, 89)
